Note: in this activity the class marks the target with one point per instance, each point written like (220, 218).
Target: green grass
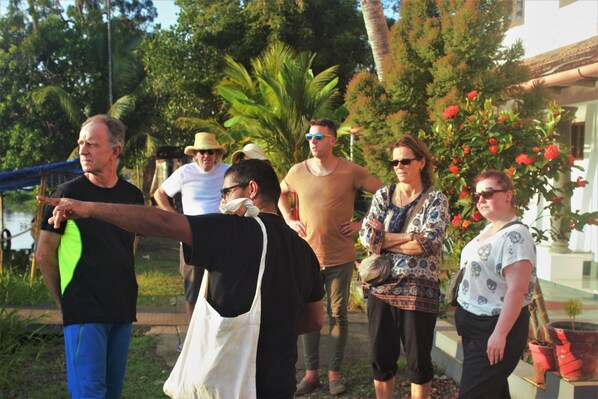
(157, 269)
(15, 289)
(38, 370)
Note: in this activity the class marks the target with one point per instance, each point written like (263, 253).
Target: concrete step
(448, 354)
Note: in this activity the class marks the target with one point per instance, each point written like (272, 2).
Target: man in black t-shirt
(230, 246)
(88, 267)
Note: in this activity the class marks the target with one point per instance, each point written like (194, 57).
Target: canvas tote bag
(219, 353)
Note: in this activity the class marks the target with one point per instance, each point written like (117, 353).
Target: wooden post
(36, 228)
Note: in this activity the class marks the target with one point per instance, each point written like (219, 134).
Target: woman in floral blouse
(407, 221)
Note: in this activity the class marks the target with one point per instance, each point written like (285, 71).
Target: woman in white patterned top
(492, 316)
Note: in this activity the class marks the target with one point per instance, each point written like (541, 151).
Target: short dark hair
(420, 150)
(329, 123)
(116, 129)
(260, 172)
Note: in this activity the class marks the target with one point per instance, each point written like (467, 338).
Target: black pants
(388, 327)
(479, 378)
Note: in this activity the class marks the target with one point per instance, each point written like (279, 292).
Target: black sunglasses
(402, 161)
(209, 152)
(224, 192)
(487, 194)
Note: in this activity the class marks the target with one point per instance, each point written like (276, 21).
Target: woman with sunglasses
(492, 316)
(407, 221)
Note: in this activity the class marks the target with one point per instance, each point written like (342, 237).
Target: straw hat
(205, 141)
(252, 151)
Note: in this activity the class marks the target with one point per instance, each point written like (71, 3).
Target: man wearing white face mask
(253, 264)
(199, 183)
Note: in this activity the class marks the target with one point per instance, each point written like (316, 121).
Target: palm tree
(274, 103)
(128, 86)
(377, 29)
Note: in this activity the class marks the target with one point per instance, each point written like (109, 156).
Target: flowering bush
(475, 136)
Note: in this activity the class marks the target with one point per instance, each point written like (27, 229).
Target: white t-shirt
(200, 190)
(484, 286)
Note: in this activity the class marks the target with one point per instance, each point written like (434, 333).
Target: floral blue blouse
(414, 278)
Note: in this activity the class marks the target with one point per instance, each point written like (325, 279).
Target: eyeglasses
(402, 161)
(487, 193)
(209, 152)
(224, 192)
(317, 136)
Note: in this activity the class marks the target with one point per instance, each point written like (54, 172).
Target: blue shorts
(96, 358)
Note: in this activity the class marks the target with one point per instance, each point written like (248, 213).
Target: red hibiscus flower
(502, 119)
(536, 149)
(571, 160)
(551, 152)
(511, 172)
(477, 216)
(465, 224)
(466, 149)
(472, 94)
(523, 159)
(456, 221)
(453, 169)
(556, 199)
(493, 149)
(450, 111)
(463, 194)
(580, 182)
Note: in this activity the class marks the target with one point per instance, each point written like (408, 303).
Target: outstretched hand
(64, 209)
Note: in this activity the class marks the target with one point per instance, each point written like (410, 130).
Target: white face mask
(240, 207)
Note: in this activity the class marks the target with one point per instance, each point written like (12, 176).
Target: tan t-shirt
(324, 203)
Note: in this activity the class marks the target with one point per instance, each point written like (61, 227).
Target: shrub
(475, 136)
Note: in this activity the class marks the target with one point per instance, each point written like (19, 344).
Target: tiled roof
(568, 57)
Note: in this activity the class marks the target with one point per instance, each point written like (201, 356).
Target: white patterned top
(483, 287)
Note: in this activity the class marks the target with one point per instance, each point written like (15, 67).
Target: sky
(167, 13)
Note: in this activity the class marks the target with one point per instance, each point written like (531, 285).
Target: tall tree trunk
(375, 25)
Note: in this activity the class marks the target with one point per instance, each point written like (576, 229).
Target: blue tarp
(31, 177)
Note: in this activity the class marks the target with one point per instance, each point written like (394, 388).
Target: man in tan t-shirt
(325, 186)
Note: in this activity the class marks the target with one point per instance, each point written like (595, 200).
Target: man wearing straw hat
(199, 183)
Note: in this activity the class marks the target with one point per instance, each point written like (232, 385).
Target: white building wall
(547, 27)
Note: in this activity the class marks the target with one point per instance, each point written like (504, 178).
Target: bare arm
(402, 243)
(348, 228)
(162, 200)
(517, 276)
(285, 208)
(46, 257)
(371, 184)
(134, 218)
(313, 319)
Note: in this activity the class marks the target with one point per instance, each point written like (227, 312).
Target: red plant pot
(576, 351)
(544, 360)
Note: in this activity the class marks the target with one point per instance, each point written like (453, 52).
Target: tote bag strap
(262, 260)
(203, 290)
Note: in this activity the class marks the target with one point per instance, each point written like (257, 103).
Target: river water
(17, 222)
